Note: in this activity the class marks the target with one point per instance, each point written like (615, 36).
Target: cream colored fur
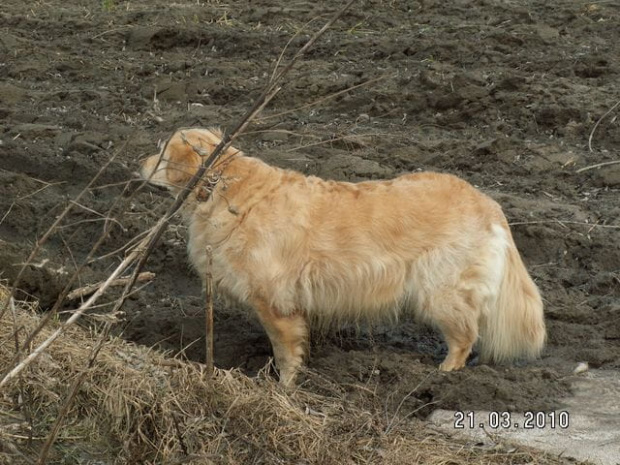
(300, 249)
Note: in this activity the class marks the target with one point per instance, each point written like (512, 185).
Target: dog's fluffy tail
(514, 327)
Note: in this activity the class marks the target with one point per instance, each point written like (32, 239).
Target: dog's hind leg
(289, 337)
(456, 314)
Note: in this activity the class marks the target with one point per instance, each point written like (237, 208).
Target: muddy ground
(505, 94)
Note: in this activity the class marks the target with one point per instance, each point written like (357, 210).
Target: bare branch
(53, 227)
(209, 312)
(324, 99)
(598, 165)
(141, 252)
(87, 290)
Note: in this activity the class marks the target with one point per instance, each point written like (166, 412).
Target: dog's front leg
(289, 338)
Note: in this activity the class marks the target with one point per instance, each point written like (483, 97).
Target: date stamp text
(508, 420)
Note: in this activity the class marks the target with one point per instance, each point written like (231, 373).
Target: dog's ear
(183, 161)
(212, 137)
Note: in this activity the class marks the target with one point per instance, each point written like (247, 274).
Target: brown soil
(503, 94)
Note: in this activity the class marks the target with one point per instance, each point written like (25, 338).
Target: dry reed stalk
(54, 226)
(142, 251)
(209, 312)
(61, 298)
(69, 400)
(324, 99)
(89, 289)
(598, 165)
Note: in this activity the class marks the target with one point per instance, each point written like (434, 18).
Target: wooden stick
(53, 227)
(562, 223)
(138, 256)
(68, 401)
(131, 258)
(75, 387)
(91, 288)
(209, 311)
(49, 315)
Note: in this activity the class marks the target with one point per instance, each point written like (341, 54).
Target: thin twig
(95, 212)
(24, 197)
(127, 246)
(599, 122)
(521, 223)
(344, 138)
(7, 212)
(53, 227)
(140, 254)
(272, 88)
(323, 99)
(285, 48)
(49, 315)
(598, 165)
(76, 315)
(209, 311)
(51, 437)
(89, 289)
(388, 428)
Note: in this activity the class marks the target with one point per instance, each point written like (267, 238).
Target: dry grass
(137, 405)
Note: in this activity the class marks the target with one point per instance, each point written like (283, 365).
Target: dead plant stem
(63, 294)
(141, 253)
(66, 407)
(90, 288)
(53, 227)
(598, 165)
(209, 312)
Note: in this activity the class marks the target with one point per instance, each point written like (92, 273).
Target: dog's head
(180, 158)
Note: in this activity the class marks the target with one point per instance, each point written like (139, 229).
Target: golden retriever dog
(301, 250)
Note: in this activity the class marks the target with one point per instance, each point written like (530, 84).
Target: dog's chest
(212, 227)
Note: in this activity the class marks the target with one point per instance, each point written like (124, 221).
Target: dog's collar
(207, 185)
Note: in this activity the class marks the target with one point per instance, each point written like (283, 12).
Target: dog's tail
(514, 327)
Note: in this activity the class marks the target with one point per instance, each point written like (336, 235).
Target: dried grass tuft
(138, 405)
